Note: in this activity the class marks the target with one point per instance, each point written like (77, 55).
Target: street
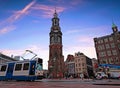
(63, 83)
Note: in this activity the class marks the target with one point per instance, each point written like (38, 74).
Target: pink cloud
(57, 1)
(47, 10)
(20, 13)
(72, 31)
(85, 38)
(10, 52)
(6, 29)
(17, 15)
(75, 2)
(66, 2)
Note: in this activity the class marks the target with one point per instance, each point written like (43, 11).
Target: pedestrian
(81, 76)
(66, 75)
(109, 76)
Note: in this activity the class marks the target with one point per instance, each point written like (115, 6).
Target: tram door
(32, 68)
(10, 71)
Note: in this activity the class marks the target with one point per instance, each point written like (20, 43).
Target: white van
(115, 75)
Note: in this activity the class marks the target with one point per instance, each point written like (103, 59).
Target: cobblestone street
(55, 83)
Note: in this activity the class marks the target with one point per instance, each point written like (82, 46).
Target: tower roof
(113, 25)
(55, 14)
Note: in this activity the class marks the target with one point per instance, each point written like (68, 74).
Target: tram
(24, 70)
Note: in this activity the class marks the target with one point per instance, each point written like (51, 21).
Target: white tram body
(26, 70)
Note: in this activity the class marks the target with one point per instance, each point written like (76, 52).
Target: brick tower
(56, 59)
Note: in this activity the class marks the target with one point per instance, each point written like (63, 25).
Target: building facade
(80, 63)
(56, 58)
(95, 65)
(70, 65)
(83, 64)
(108, 47)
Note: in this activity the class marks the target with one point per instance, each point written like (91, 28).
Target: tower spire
(113, 25)
(114, 28)
(55, 21)
(55, 14)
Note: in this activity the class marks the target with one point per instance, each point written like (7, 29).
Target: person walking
(109, 76)
(81, 76)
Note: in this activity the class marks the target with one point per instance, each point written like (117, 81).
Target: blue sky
(25, 24)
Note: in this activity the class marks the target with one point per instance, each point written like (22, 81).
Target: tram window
(39, 60)
(3, 68)
(18, 67)
(26, 66)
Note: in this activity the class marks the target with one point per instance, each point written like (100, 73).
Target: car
(115, 75)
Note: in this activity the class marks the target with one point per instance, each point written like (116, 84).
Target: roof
(7, 57)
(70, 58)
(113, 25)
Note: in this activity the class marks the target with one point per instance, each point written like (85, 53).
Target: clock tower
(56, 58)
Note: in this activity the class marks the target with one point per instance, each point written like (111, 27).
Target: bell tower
(56, 58)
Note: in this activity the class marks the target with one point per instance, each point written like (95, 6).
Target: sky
(25, 24)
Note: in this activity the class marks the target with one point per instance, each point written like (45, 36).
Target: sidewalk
(90, 81)
(108, 82)
(65, 80)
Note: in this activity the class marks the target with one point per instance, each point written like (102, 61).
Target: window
(114, 52)
(102, 54)
(116, 60)
(107, 46)
(98, 41)
(40, 60)
(98, 47)
(104, 61)
(95, 42)
(109, 53)
(112, 45)
(76, 70)
(110, 38)
(18, 67)
(52, 39)
(101, 41)
(3, 68)
(110, 60)
(26, 66)
(106, 39)
(103, 47)
(82, 64)
(76, 65)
